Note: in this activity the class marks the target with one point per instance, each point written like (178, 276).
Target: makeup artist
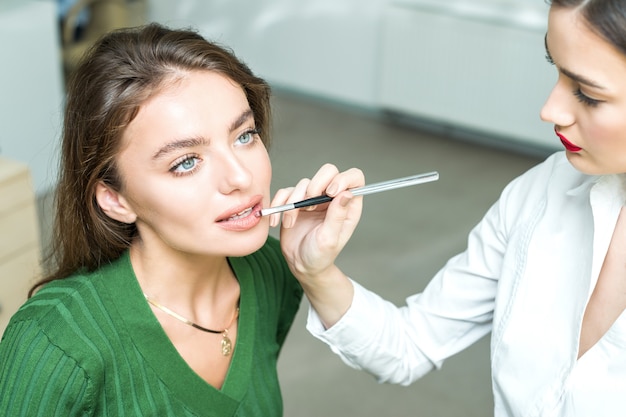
(165, 295)
(544, 271)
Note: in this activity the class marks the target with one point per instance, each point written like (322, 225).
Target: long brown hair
(119, 73)
(607, 18)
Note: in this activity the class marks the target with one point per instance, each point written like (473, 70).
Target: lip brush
(365, 190)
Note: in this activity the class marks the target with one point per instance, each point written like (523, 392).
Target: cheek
(605, 142)
(597, 126)
(267, 168)
(152, 199)
(607, 132)
(261, 168)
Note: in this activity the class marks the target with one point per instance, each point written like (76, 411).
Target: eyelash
(181, 161)
(549, 59)
(253, 132)
(585, 99)
(582, 97)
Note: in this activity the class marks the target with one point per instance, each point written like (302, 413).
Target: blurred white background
(463, 66)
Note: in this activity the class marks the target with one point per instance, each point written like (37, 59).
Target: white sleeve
(357, 340)
(401, 344)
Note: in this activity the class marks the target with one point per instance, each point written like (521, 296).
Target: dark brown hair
(607, 18)
(119, 73)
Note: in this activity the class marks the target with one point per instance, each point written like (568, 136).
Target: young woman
(544, 271)
(167, 297)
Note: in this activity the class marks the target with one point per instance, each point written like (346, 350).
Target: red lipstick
(568, 145)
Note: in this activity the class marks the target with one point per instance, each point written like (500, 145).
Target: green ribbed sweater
(89, 345)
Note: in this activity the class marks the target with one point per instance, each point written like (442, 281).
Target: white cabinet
(31, 87)
(19, 237)
(473, 65)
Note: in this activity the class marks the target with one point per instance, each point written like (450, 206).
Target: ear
(114, 204)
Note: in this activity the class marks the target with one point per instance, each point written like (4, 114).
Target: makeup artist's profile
(544, 271)
(165, 295)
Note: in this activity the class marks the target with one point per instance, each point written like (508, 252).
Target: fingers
(321, 180)
(299, 193)
(279, 199)
(346, 180)
(326, 181)
(286, 196)
(342, 217)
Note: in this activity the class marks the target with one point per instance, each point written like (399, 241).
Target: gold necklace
(227, 345)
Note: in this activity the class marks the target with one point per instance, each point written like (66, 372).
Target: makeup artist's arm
(311, 239)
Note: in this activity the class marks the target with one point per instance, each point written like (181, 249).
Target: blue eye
(248, 136)
(185, 166)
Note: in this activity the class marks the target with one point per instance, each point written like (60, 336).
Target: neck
(202, 289)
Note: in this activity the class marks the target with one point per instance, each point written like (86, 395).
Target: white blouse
(529, 269)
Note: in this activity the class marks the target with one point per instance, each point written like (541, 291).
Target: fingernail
(273, 220)
(332, 190)
(344, 201)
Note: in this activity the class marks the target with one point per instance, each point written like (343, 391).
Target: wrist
(330, 293)
(320, 278)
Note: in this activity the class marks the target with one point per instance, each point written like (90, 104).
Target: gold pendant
(227, 345)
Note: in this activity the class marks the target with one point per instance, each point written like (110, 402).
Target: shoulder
(56, 297)
(555, 168)
(553, 177)
(62, 308)
(46, 340)
(545, 188)
(75, 316)
(36, 370)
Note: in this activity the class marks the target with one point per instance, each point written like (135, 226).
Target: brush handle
(365, 190)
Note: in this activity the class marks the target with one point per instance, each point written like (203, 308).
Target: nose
(557, 108)
(234, 173)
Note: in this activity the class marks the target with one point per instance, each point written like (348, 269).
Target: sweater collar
(152, 343)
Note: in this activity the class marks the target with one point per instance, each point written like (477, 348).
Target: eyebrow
(576, 77)
(198, 141)
(178, 144)
(241, 119)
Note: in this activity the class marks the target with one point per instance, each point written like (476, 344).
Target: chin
(583, 165)
(247, 244)
(592, 169)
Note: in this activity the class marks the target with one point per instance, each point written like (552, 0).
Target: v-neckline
(606, 283)
(157, 349)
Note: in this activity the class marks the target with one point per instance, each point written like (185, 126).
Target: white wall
(470, 67)
(327, 48)
(31, 87)
(324, 47)
(333, 48)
